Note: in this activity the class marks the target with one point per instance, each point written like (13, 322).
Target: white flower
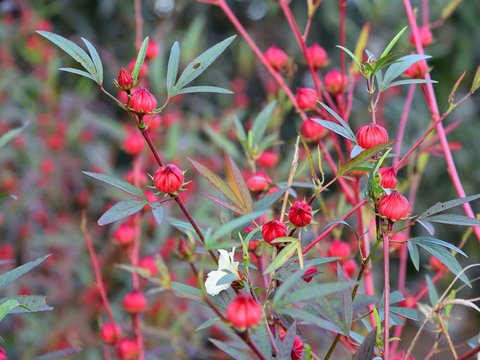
(226, 265)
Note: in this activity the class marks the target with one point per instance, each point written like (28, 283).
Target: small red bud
(142, 101)
(260, 181)
(152, 50)
(371, 135)
(149, 264)
(134, 143)
(244, 312)
(3, 354)
(425, 36)
(309, 274)
(168, 179)
(339, 249)
(306, 98)
(276, 58)
(134, 302)
(127, 349)
(268, 159)
(124, 80)
(417, 70)
(124, 234)
(317, 56)
(273, 229)
(335, 82)
(388, 177)
(110, 333)
(349, 268)
(300, 214)
(394, 206)
(312, 131)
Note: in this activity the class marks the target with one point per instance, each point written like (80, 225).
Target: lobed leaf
(97, 62)
(399, 67)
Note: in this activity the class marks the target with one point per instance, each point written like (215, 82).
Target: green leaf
(11, 134)
(399, 67)
(201, 63)
(96, 61)
(308, 317)
(315, 262)
(12, 275)
(158, 212)
(287, 284)
(439, 207)
(405, 312)
(432, 292)
(340, 120)
(282, 257)
(29, 303)
(186, 290)
(119, 184)
(346, 302)
(78, 72)
(367, 349)
(230, 350)
(392, 43)
(216, 181)
(363, 156)
(58, 355)
(242, 136)
(261, 340)
(316, 291)
(352, 55)
(454, 219)
(409, 82)
(172, 67)
(230, 226)
(476, 81)
(238, 184)
(428, 240)
(7, 306)
(285, 346)
(227, 279)
(206, 324)
(261, 122)
(121, 210)
(222, 141)
(414, 255)
(72, 49)
(140, 59)
(340, 130)
(203, 89)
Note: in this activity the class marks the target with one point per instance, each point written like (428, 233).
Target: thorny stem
(433, 106)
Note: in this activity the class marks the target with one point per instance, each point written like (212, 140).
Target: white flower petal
(211, 283)
(224, 260)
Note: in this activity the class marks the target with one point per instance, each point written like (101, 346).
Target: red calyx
(168, 179)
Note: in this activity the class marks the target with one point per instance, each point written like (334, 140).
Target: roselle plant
(287, 234)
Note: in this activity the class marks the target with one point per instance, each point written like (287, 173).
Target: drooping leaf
(337, 129)
(12, 275)
(285, 346)
(340, 121)
(352, 56)
(140, 58)
(78, 72)
(282, 257)
(119, 184)
(230, 350)
(201, 63)
(261, 122)
(392, 43)
(454, 219)
(11, 134)
(97, 62)
(121, 210)
(432, 292)
(172, 67)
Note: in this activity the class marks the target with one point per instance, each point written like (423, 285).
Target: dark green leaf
(12, 275)
(364, 155)
(121, 210)
(29, 303)
(119, 184)
(230, 350)
(282, 257)
(261, 122)
(8, 306)
(308, 317)
(366, 350)
(96, 61)
(439, 207)
(316, 291)
(172, 67)
(140, 59)
(454, 219)
(203, 89)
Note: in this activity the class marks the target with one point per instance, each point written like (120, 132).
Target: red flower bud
(335, 82)
(134, 143)
(312, 131)
(269, 158)
(297, 348)
(309, 274)
(394, 206)
(417, 70)
(152, 50)
(127, 349)
(124, 234)
(110, 333)
(143, 70)
(3, 354)
(339, 249)
(142, 101)
(253, 245)
(134, 302)
(260, 181)
(436, 264)
(425, 36)
(349, 268)
(276, 58)
(149, 264)
(244, 312)
(306, 98)
(388, 177)
(371, 135)
(300, 214)
(273, 229)
(317, 56)
(168, 179)
(124, 80)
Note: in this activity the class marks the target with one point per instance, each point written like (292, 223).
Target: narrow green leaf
(242, 136)
(222, 141)
(225, 204)
(117, 183)
(281, 257)
(29, 303)
(11, 134)
(202, 89)
(158, 212)
(428, 240)
(352, 55)
(121, 210)
(238, 184)
(399, 67)
(340, 120)
(140, 59)
(201, 63)
(308, 317)
(96, 61)
(316, 291)
(267, 201)
(454, 219)
(363, 156)
(367, 349)
(261, 122)
(206, 324)
(432, 292)
(286, 345)
(7, 306)
(414, 255)
(338, 129)
(58, 355)
(186, 290)
(392, 43)
(346, 302)
(409, 313)
(230, 350)
(409, 82)
(12, 275)
(72, 49)
(287, 284)
(78, 72)
(476, 81)
(315, 262)
(439, 207)
(172, 67)
(261, 339)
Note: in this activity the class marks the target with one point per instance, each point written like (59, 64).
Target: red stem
(403, 123)
(137, 4)
(432, 102)
(386, 289)
(343, 7)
